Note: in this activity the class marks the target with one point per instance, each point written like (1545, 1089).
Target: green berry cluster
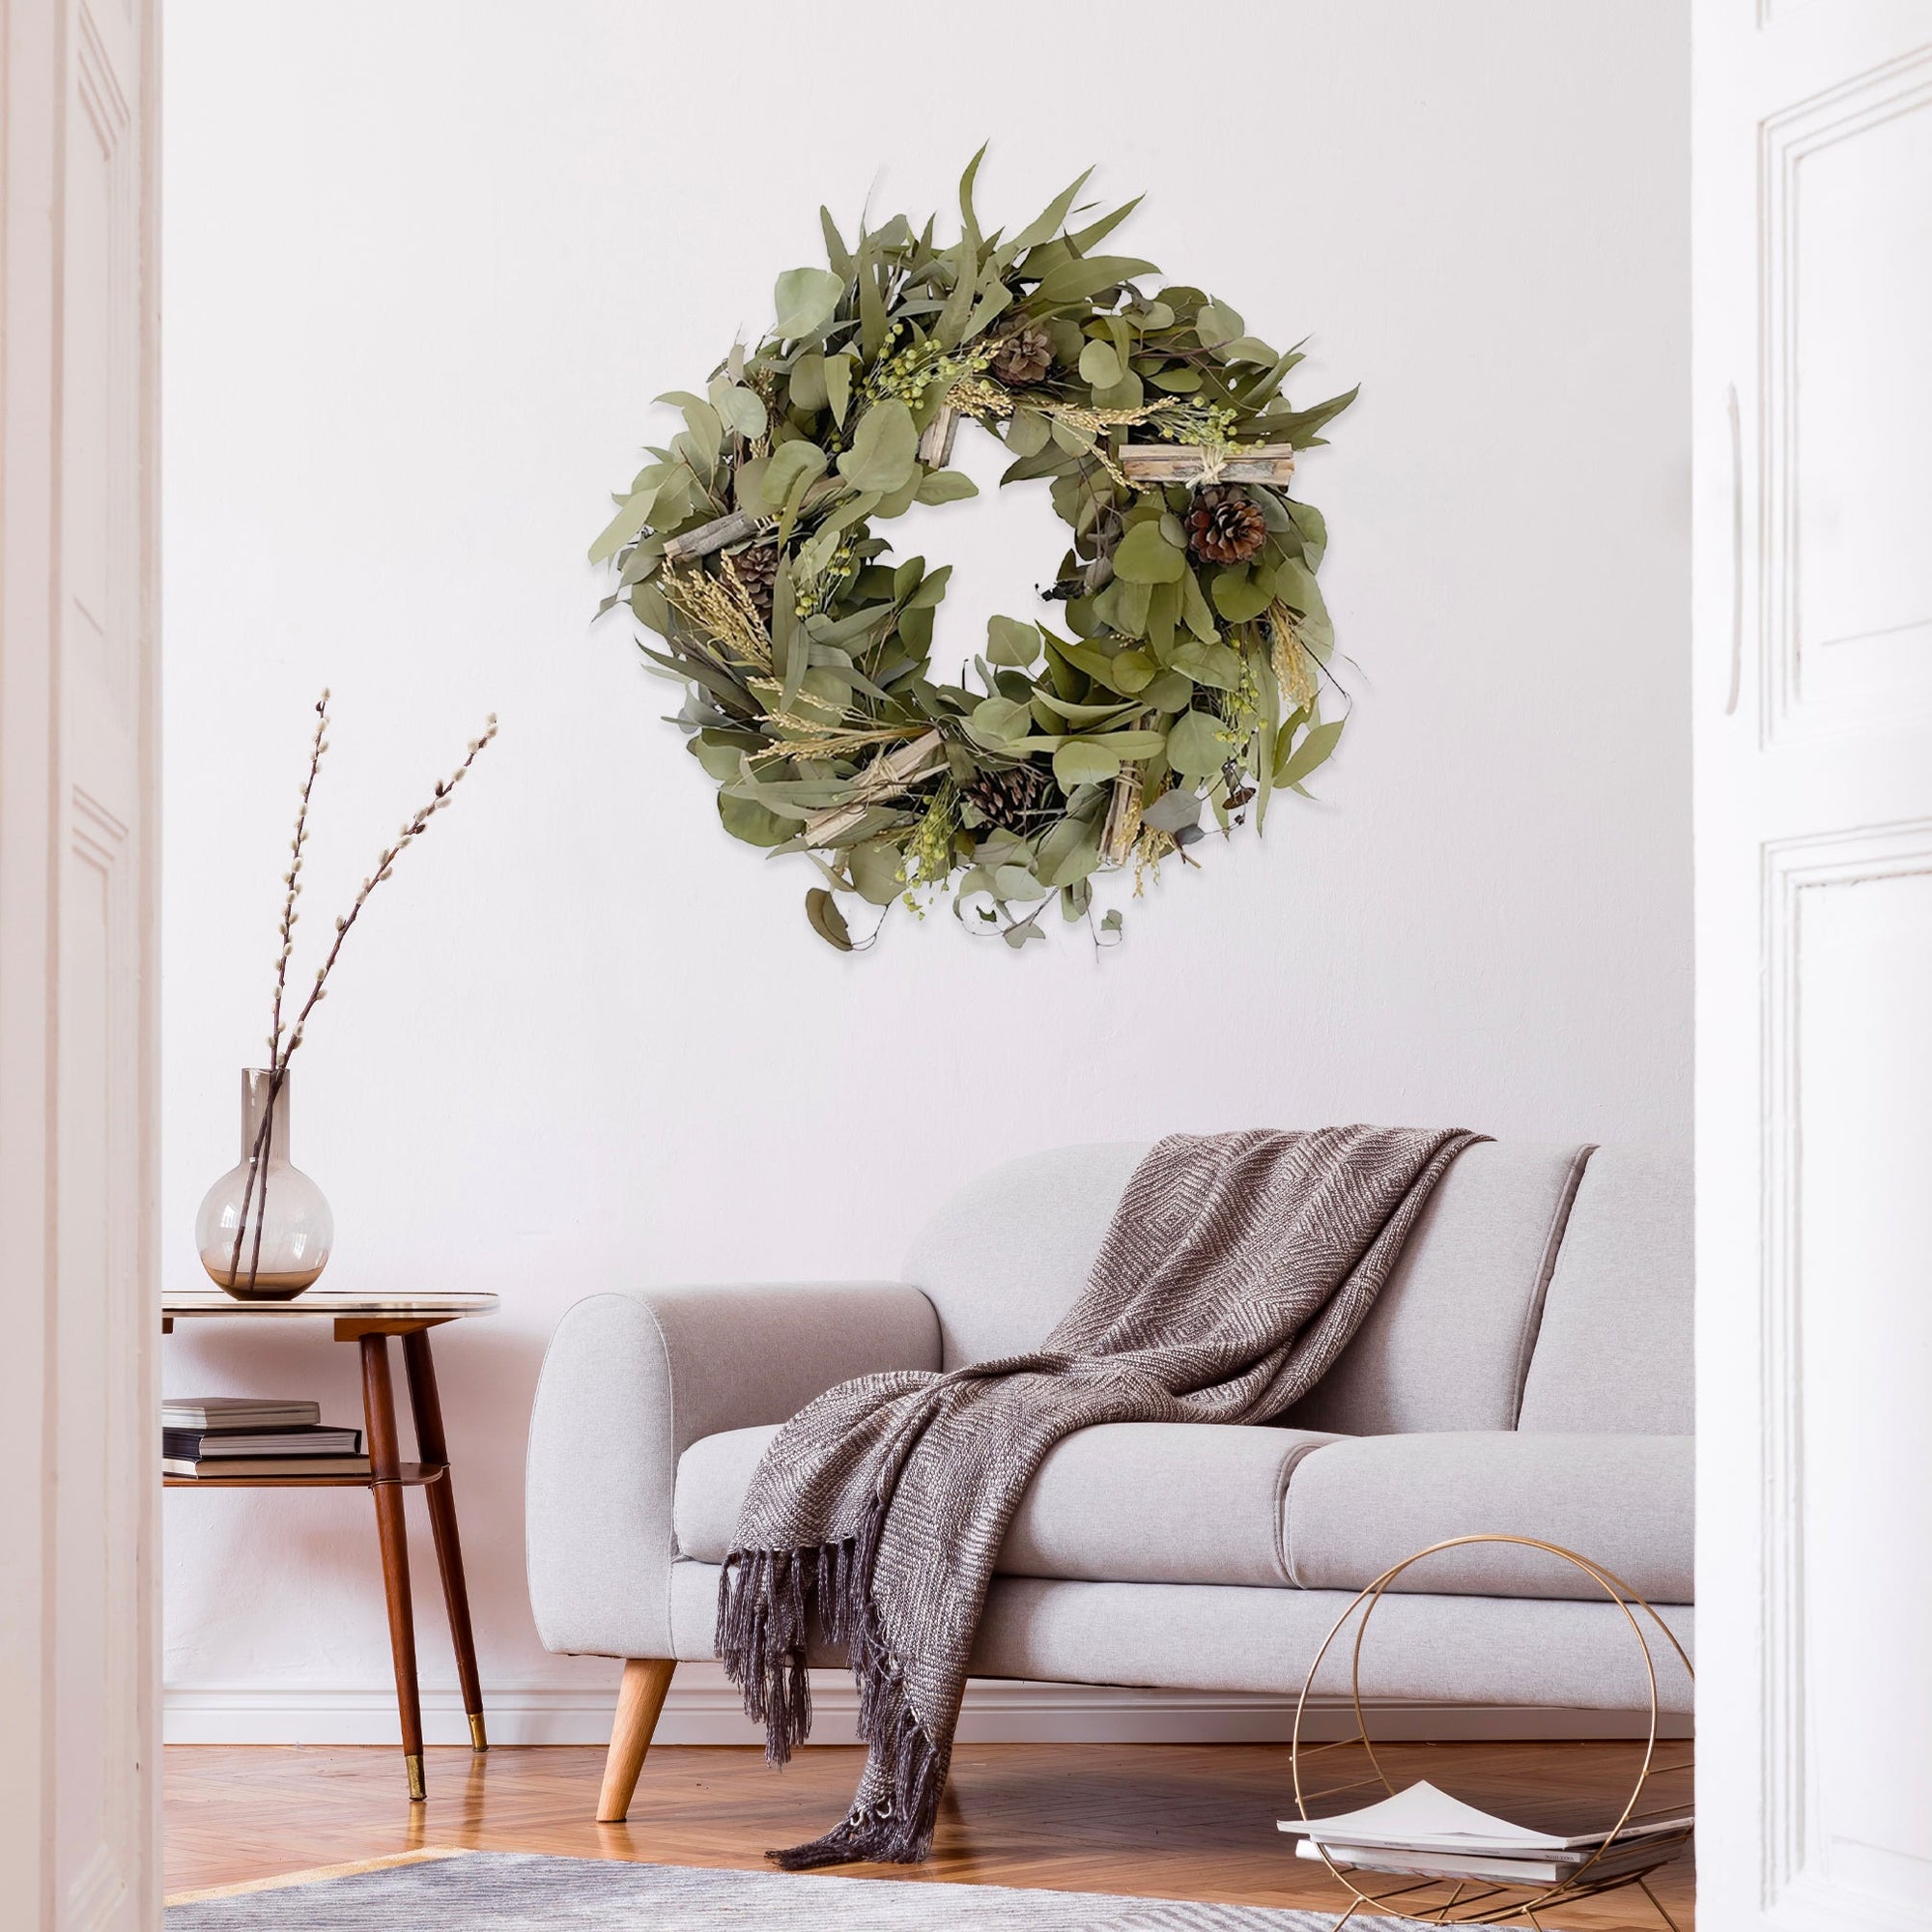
(909, 373)
(1203, 425)
(814, 593)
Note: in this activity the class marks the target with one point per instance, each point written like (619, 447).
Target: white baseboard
(703, 1709)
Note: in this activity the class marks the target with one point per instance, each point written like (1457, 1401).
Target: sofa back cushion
(1445, 1347)
(1448, 1343)
(1613, 1352)
(1004, 1260)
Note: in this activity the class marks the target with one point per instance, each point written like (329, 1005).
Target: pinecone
(1224, 525)
(1024, 357)
(1013, 797)
(757, 569)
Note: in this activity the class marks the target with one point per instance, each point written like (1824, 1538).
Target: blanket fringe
(769, 1601)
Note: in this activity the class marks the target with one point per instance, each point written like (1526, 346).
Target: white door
(1813, 689)
(78, 1627)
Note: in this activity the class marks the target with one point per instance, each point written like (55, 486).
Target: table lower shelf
(413, 1474)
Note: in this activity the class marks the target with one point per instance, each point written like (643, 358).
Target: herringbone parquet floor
(1169, 1820)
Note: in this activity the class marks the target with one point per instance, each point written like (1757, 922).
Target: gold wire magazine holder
(1485, 1880)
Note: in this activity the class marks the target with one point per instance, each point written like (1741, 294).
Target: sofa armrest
(630, 1381)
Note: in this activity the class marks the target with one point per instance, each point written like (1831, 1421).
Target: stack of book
(246, 1436)
(1423, 1832)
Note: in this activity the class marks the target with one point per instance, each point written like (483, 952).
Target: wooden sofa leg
(639, 1700)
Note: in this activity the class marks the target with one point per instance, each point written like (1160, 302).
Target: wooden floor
(1166, 1821)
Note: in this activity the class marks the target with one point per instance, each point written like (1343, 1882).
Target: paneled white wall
(427, 266)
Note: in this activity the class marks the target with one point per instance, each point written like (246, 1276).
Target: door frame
(80, 1785)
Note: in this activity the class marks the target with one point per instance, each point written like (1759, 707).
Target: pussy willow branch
(278, 1070)
(292, 880)
(412, 829)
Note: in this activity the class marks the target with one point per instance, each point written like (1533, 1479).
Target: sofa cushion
(1448, 1342)
(1129, 1502)
(1006, 1259)
(1529, 1655)
(1355, 1508)
(1446, 1346)
(1615, 1349)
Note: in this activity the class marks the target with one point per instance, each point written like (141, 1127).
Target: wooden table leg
(379, 1415)
(431, 1447)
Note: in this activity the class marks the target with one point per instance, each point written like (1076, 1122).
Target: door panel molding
(1798, 1887)
(1806, 680)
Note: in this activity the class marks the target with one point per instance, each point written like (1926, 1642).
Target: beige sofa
(1526, 1370)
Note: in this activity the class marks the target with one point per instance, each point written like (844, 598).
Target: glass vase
(264, 1229)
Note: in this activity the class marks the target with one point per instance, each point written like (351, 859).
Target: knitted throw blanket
(1236, 1267)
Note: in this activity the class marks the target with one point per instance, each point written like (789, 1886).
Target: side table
(369, 1320)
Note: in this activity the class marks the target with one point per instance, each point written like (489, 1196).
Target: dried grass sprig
(723, 610)
(1289, 657)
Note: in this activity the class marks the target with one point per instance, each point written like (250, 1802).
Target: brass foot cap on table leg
(477, 1740)
(417, 1792)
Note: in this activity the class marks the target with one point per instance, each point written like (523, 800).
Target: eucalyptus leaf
(838, 385)
(1316, 749)
(1195, 747)
(742, 409)
(1172, 812)
(792, 465)
(1008, 642)
(1240, 597)
(806, 381)
(706, 430)
(875, 868)
(946, 485)
(835, 250)
(827, 921)
(623, 527)
(1130, 747)
(1072, 850)
(1087, 275)
(884, 453)
(1078, 762)
(1145, 556)
(1015, 882)
(1082, 714)
(1099, 365)
(806, 301)
(747, 820)
(1194, 611)
(1216, 324)
(1313, 528)
(1213, 664)
(1047, 223)
(1000, 721)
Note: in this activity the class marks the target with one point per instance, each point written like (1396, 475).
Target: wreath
(1183, 679)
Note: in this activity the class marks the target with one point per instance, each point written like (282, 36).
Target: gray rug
(509, 1892)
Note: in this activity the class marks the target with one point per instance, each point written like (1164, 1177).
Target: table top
(212, 1305)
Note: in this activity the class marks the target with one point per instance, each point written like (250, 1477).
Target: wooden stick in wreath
(736, 527)
(1183, 462)
(714, 535)
(891, 773)
(1123, 817)
(935, 443)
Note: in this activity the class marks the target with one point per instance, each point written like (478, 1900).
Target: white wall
(427, 266)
